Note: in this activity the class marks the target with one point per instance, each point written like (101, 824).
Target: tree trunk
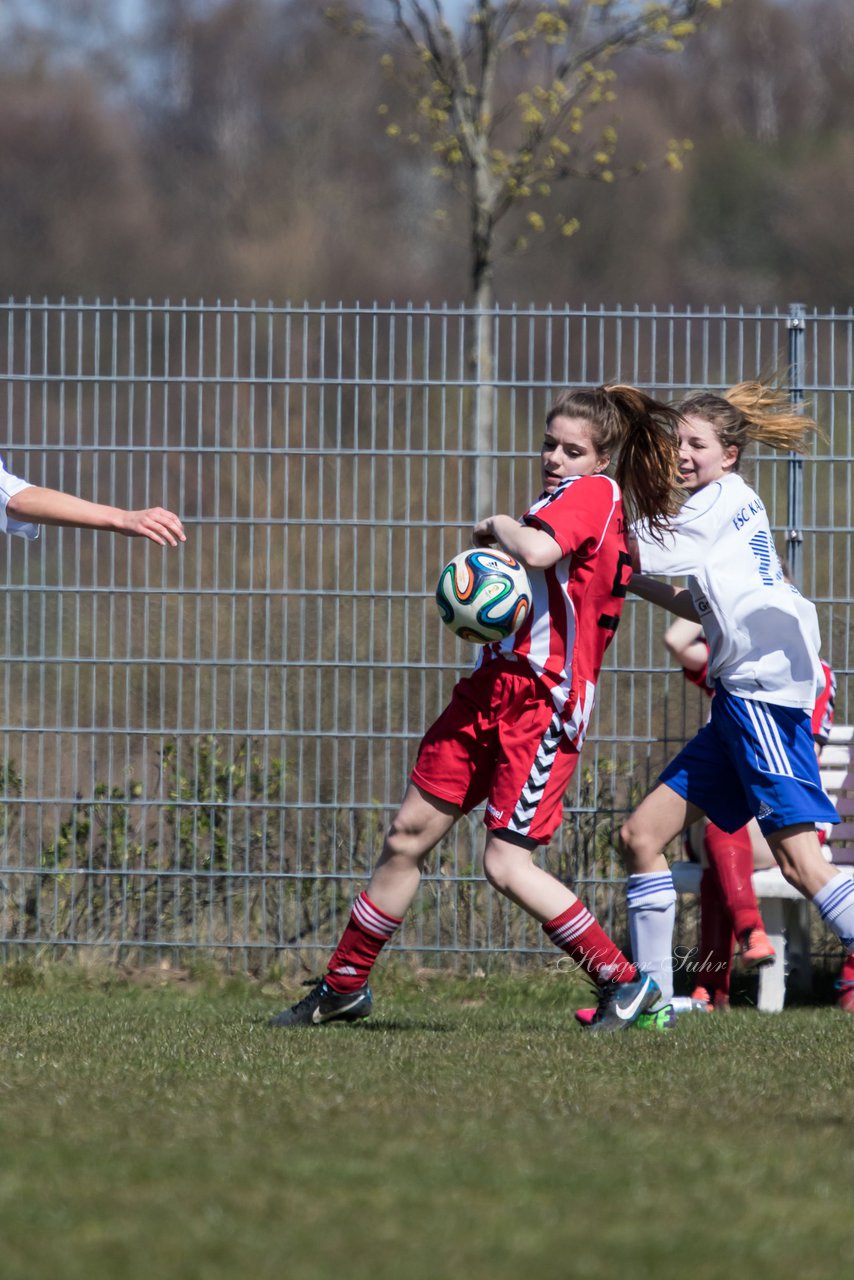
(483, 433)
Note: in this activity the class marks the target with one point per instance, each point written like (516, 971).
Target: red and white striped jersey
(577, 602)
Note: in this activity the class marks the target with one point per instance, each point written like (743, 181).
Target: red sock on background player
(717, 940)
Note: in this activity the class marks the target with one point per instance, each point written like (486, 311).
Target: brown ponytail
(647, 468)
(641, 434)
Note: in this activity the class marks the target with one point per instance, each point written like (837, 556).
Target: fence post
(795, 510)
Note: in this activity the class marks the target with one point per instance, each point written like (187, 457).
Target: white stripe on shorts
(768, 735)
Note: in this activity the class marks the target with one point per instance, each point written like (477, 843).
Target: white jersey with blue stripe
(763, 634)
(9, 486)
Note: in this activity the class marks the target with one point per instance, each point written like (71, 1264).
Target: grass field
(469, 1129)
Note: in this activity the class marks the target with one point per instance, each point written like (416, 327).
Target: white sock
(651, 901)
(835, 901)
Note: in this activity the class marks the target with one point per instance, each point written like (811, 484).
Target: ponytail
(752, 411)
(642, 435)
(647, 468)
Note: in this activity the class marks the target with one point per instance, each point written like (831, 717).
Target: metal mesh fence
(201, 748)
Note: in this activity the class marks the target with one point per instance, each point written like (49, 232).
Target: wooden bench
(786, 913)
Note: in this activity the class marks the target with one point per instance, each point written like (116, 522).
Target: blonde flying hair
(751, 411)
(641, 434)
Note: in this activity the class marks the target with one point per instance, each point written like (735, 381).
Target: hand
(156, 524)
(482, 534)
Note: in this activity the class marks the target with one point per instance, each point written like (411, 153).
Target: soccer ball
(483, 595)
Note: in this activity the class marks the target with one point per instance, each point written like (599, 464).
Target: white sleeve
(9, 486)
(685, 547)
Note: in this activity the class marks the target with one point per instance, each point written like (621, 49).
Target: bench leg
(798, 955)
(772, 977)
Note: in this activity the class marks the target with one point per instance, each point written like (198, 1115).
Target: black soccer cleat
(322, 1004)
(622, 1003)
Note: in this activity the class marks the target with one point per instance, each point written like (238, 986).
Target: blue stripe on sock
(651, 889)
(836, 899)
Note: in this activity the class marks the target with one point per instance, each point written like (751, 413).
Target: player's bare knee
(501, 866)
(496, 875)
(631, 839)
(406, 840)
(638, 848)
(492, 871)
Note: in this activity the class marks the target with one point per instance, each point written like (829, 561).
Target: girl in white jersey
(513, 729)
(755, 757)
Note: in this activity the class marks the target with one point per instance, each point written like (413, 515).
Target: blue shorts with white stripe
(752, 760)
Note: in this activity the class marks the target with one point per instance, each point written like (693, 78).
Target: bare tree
(515, 101)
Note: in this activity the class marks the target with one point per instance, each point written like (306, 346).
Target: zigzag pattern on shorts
(532, 792)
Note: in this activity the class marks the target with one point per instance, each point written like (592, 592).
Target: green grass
(469, 1129)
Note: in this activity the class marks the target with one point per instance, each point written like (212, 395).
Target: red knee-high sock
(367, 932)
(576, 932)
(717, 941)
(732, 858)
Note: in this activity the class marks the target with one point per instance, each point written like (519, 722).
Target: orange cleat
(756, 949)
(712, 1002)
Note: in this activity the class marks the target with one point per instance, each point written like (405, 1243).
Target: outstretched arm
(675, 599)
(36, 505)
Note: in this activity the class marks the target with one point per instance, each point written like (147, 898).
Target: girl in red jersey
(512, 732)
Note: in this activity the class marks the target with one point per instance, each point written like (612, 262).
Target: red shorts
(500, 739)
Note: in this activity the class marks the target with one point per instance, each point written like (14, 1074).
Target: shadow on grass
(406, 1024)
(363, 1027)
